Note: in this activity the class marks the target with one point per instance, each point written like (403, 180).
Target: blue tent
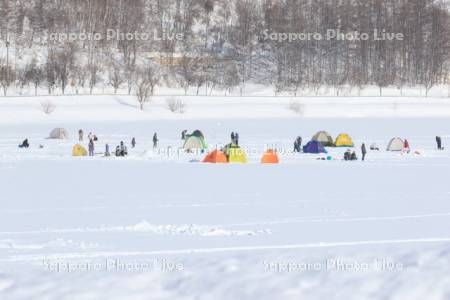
(314, 147)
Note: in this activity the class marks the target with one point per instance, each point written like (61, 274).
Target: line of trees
(224, 44)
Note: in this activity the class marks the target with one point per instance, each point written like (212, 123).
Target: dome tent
(215, 157)
(395, 144)
(79, 150)
(343, 140)
(58, 133)
(324, 138)
(314, 147)
(194, 141)
(270, 157)
(198, 133)
(235, 154)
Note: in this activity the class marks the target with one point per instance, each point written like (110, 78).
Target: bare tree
(116, 77)
(64, 59)
(35, 75)
(130, 74)
(7, 77)
(93, 71)
(143, 91)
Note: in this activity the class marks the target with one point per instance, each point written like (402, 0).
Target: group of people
(350, 155)
(121, 149)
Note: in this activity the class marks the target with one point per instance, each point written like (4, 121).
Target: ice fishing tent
(270, 157)
(235, 154)
(215, 157)
(324, 138)
(343, 140)
(194, 141)
(198, 133)
(396, 144)
(79, 150)
(314, 147)
(59, 133)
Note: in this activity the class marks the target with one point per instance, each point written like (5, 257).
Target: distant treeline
(289, 44)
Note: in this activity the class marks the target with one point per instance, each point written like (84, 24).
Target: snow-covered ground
(160, 225)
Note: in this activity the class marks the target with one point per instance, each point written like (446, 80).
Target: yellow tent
(236, 155)
(343, 140)
(79, 150)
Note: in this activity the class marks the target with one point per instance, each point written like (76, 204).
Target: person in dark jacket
(183, 134)
(80, 135)
(439, 142)
(353, 156)
(347, 154)
(121, 150)
(155, 140)
(236, 138)
(91, 147)
(133, 142)
(24, 144)
(232, 137)
(298, 144)
(363, 151)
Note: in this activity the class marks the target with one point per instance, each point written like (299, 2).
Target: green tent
(193, 142)
(324, 138)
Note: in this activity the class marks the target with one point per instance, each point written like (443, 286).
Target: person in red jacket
(406, 145)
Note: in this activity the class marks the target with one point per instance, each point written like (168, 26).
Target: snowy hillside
(158, 224)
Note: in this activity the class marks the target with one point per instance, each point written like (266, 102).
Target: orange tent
(270, 157)
(215, 157)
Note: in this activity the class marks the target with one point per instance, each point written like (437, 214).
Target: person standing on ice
(363, 151)
(107, 150)
(232, 137)
(439, 142)
(183, 134)
(236, 138)
(133, 142)
(80, 135)
(406, 146)
(91, 147)
(155, 140)
(298, 144)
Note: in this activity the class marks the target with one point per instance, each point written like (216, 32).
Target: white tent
(59, 133)
(396, 144)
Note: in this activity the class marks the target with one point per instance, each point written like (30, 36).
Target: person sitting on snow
(374, 147)
(121, 150)
(24, 144)
(347, 154)
(353, 156)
